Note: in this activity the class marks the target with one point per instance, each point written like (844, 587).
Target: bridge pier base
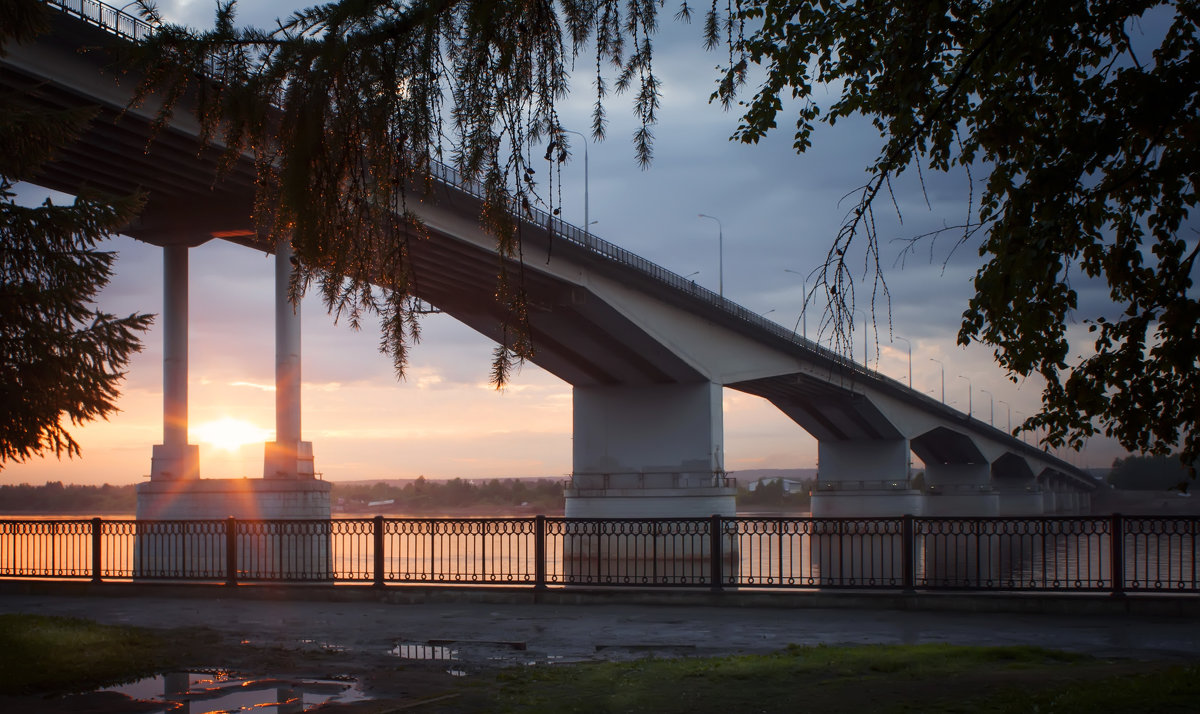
(648, 451)
(652, 452)
(1023, 502)
(861, 479)
(180, 529)
(864, 478)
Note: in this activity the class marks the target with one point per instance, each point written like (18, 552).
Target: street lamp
(1009, 407)
(720, 254)
(906, 342)
(691, 275)
(804, 306)
(587, 225)
(931, 359)
(991, 406)
(970, 408)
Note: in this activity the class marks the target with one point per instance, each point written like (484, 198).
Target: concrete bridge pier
(1049, 501)
(958, 483)
(1017, 489)
(169, 540)
(864, 478)
(861, 478)
(648, 451)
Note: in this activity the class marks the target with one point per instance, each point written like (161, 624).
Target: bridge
(646, 351)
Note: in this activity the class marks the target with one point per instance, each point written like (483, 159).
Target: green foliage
(64, 654)
(1082, 123)
(1149, 473)
(61, 360)
(770, 493)
(54, 498)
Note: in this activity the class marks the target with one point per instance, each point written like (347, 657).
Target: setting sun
(229, 434)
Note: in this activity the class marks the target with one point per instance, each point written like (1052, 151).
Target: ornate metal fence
(1060, 554)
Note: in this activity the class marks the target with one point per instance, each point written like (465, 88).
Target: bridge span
(646, 351)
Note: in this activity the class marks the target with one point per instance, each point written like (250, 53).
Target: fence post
(97, 525)
(908, 559)
(377, 549)
(714, 537)
(539, 553)
(1116, 554)
(231, 577)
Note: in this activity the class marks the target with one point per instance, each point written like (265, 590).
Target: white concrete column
(175, 345)
(648, 450)
(287, 351)
(862, 478)
(175, 458)
(960, 490)
(287, 456)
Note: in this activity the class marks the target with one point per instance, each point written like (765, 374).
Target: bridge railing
(1056, 554)
(106, 17)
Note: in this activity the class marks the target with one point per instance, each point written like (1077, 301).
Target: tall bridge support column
(960, 490)
(652, 450)
(956, 554)
(863, 478)
(298, 549)
(288, 456)
(175, 458)
(648, 451)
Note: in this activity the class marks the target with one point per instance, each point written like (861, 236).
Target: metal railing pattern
(1050, 554)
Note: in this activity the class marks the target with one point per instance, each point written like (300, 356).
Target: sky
(778, 212)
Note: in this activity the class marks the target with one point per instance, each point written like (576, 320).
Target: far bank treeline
(421, 496)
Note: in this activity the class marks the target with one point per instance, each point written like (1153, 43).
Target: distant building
(790, 485)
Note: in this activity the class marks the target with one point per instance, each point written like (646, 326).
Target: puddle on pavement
(223, 693)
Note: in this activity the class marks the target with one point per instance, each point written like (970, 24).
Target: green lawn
(56, 654)
(921, 678)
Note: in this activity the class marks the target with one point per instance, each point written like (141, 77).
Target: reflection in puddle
(221, 693)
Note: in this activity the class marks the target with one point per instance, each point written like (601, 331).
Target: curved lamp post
(909, 344)
(943, 368)
(587, 225)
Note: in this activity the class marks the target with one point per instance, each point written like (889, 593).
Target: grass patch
(62, 654)
(918, 678)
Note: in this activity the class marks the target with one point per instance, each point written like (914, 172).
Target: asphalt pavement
(502, 633)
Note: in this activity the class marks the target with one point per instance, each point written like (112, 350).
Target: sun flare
(229, 434)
